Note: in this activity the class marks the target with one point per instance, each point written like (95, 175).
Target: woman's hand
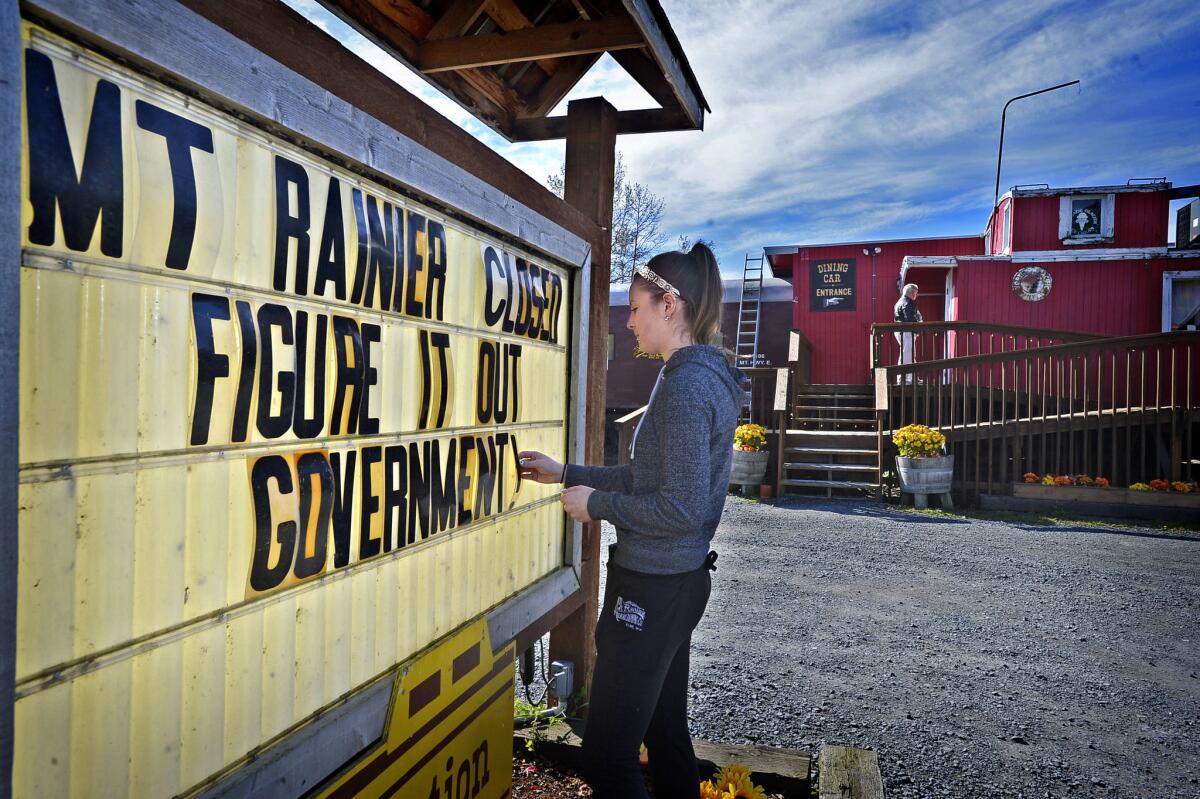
(540, 468)
(575, 502)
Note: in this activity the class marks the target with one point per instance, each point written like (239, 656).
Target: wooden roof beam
(486, 100)
(509, 17)
(548, 41)
(641, 67)
(676, 73)
(644, 120)
(460, 16)
(560, 83)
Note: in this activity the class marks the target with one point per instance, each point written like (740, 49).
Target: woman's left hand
(575, 502)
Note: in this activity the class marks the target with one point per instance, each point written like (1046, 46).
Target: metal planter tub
(924, 476)
(749, 468)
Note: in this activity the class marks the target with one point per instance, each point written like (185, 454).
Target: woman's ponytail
(698, 278)
(706, 316)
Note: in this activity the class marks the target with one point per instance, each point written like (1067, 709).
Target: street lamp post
(1000, 154)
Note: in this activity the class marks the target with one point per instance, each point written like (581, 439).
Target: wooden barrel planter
(924, 476)
(749, 468)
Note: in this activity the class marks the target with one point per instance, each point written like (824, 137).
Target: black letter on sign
(523, 305)
(418, 489)
(383, 255)
(310, 426)
(443, 493)
(493, 267)
(466, 480)
(558, 297)
(364, 252)
(314, 533)
(485, 382)
(485, 482)
(368, 545)
(331, 257)
(395, 489)
(414, 262)
(245, 391)
(274, 425)
(99, 189)
(441, 342)
(263, 576)
(209, 364)
(349, 352)
(182, 135)
(291, 227)
(435, 263)
(343, 506)
(367, 424)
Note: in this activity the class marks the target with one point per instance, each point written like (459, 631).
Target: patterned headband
(649, 274)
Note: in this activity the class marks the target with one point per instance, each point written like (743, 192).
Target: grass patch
(1057, 520)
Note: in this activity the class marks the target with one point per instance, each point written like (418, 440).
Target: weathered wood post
(10, 307)
(591, 161)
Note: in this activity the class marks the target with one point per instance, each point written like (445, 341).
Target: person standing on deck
(906, 311)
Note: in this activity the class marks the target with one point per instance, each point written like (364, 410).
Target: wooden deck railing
(1123, 408)
(934, 341)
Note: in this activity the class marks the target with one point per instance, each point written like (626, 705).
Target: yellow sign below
(449, 733)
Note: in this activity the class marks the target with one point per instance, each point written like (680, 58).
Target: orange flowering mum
(1160, 485)
(1030, 477)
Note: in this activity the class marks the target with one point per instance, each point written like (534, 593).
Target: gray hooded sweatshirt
(667, 502)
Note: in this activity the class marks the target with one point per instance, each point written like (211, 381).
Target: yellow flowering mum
(918, 441)
(750, 436)
(731, 782)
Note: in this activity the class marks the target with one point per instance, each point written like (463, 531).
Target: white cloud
(844, 120)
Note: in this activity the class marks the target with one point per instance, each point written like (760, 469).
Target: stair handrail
(881, 330)
(1093, 344)
(1071, 388)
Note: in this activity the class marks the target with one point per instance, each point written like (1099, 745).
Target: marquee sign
(270, 417)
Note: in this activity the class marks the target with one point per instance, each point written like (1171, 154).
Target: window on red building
(1084, 218)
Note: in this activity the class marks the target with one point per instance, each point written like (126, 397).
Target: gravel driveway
(978, 658)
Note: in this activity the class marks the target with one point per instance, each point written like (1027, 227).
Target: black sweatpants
(640, 685)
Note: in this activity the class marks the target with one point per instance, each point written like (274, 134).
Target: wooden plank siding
(841, 339)
(1139, 219)
(1116, 298)
(632, 378)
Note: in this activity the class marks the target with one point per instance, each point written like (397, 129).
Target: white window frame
(1006, 242)
(1168, 279)
(1107, 208)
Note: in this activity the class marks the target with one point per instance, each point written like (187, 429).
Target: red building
(1087, 260)
(630, 378)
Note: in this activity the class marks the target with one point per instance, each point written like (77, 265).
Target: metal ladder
(746, 347)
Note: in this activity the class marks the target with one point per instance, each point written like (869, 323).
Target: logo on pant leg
(630, 613)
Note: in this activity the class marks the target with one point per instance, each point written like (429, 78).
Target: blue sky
(855, 120)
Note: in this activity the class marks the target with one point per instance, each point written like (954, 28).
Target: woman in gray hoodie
(665, 505)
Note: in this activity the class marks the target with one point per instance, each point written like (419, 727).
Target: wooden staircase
(831, 446)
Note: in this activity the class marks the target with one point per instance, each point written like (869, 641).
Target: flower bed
(1128, 496)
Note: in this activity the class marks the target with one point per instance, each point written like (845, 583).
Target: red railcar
(630, 378)
(1085, 260)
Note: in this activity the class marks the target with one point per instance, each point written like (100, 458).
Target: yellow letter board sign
(270, 416)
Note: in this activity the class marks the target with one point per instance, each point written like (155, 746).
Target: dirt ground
(979, 658)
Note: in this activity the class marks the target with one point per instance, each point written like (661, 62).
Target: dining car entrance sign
(832, 285)
(271, 407)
